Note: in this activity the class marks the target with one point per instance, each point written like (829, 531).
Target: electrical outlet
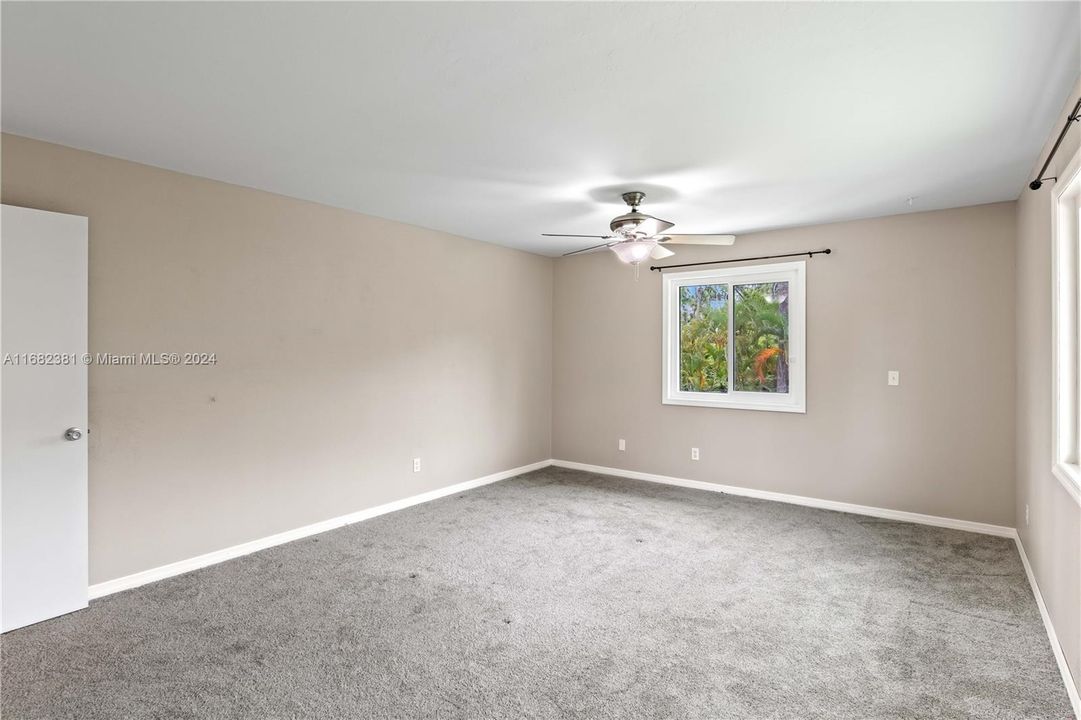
(893, 377)
(1026, 514)
(416, 464)
(622, 444)
(694, 453)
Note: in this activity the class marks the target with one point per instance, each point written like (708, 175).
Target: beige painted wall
(347, 345)
(929, 294)
(1052, 536)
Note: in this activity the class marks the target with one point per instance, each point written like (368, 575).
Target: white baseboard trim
(970, 526)
(200, 561)
(1060, 657)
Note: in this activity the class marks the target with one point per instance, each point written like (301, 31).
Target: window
(734, 338)
(1066, 327)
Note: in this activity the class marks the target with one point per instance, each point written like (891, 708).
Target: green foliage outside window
(760, 327)
(761, 334)
(703, 338)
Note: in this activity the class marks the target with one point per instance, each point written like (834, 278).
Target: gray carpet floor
(561, 594)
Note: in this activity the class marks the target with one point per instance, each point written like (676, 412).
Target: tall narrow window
(1066, 324)
(734, 338)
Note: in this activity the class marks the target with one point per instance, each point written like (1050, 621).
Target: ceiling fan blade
(653, 226)
(594, 247)
(562, 235)
(661, 252)
(701, 239)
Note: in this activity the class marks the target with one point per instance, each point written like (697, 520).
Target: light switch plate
(893, 377)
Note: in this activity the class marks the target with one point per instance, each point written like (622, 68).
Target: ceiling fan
(637, 236)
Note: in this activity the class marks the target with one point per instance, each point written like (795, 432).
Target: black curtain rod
(808, 253)
(1074, 117)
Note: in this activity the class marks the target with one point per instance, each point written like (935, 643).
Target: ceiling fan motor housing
(628, 223)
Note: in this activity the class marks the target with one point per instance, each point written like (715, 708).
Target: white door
(43, 415)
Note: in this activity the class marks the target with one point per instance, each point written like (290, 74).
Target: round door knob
(73, 434)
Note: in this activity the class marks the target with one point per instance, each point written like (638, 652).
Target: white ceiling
(501, 121)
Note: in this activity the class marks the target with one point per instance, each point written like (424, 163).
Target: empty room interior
(581, 360)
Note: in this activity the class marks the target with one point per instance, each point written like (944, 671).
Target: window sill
(736, 405)
(1070, 477)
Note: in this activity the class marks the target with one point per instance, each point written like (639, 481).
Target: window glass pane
(1075, 284)
(760, 326)
(703, 338)
(1073, 279)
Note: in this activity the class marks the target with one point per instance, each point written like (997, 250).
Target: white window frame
(1066, 328)
(794, 401)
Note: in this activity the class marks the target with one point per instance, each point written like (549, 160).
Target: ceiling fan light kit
(633, 251)
(637, 236)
